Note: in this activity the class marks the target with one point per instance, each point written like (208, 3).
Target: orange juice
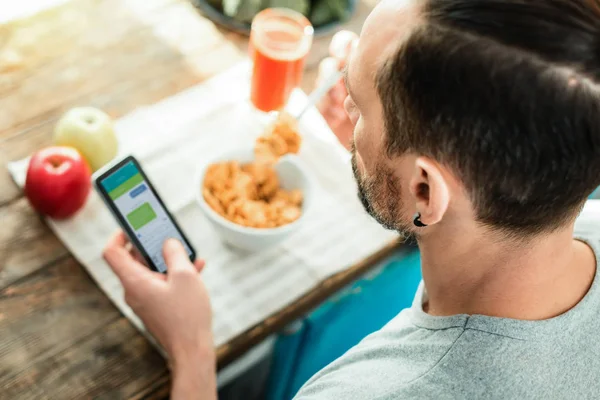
(279, 43)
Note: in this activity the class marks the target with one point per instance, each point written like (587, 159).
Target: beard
(381, 198)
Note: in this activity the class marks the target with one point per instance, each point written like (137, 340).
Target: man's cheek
(360, 167)
(364, 149)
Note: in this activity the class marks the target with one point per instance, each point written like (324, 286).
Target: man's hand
(176, 310)
(331, 105)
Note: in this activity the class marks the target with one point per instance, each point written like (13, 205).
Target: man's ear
(429, 190)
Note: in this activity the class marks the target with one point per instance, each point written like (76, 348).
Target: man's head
(480, 110)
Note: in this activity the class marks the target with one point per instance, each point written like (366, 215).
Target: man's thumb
(176, 257)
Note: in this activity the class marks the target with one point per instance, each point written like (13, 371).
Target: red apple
(58, 181)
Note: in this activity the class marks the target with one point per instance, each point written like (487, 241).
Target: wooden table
(60, 337)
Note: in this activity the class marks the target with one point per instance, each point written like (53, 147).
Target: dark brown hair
(503, 92)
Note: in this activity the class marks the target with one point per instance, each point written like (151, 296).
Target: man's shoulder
(384, 364)
(404, 360)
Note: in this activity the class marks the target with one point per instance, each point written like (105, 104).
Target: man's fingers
(326, 68)
(199, 265)
(338, 94)
(176, 257)
(116, 254)
(120, 260)
(118, 239)
(137, 256)
(341, 46)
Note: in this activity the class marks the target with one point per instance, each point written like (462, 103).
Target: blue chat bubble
(137, 191)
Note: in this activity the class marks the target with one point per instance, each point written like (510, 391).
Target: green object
(302, 6)
(141, 216)
(242, 10)
(126, 186)
(218, 4)
(324, 11)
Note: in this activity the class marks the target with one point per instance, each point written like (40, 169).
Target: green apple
(91, 132)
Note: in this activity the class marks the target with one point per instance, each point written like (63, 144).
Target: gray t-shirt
(418, 356)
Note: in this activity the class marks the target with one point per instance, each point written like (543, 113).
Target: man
(476, 130)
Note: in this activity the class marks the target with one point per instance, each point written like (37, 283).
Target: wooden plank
(74, 31)
(48, 313)
(52, 90)
(114, 363)
(68, 341)
(26, 243)
(160, 389)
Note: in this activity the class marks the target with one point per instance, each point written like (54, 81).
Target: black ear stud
(417, 221)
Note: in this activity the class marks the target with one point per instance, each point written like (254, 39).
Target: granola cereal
(250, 194)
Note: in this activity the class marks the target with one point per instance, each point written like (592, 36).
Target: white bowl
(292, 173)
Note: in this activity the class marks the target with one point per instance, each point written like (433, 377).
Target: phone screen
(141, 209)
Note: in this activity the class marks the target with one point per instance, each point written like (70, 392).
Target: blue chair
(342, 322)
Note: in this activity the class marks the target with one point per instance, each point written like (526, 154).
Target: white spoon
(319, 92)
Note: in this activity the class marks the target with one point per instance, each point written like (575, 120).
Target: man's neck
(481, 274)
